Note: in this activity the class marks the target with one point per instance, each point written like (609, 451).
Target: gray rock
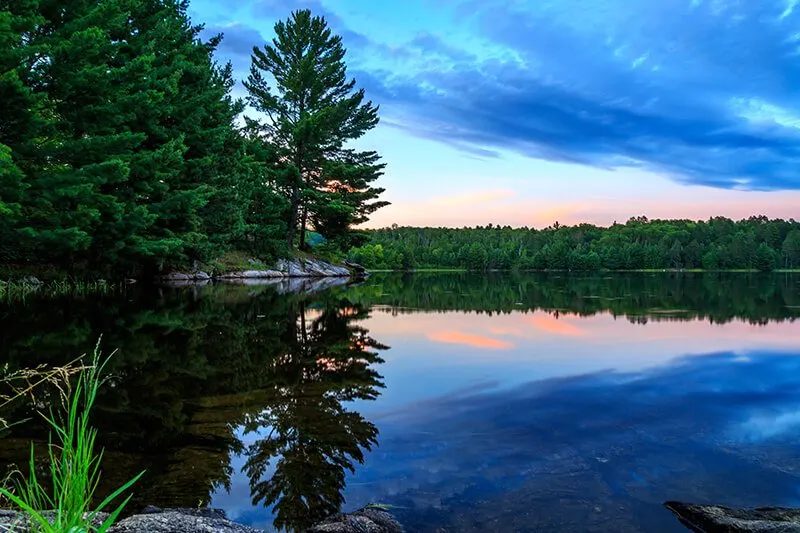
(204, 520)
(363, 521)
(15, 522)
(261, 274)
(178, 521)
(186, 283)
(201, 275)
(720, 519)
(208, 512)
(229, 275)
(356, 267)
(31, 280)
(175, 276)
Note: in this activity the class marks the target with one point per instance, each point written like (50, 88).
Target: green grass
(74, 469)
(18, 291)
(235, 260)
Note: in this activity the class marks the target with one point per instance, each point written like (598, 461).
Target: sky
(527, 112)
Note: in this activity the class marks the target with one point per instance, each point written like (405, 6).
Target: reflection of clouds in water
(660, 434)
(469, 339)
(768, 426)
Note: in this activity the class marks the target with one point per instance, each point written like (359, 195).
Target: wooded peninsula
(124, 153)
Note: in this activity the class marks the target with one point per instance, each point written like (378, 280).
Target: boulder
(261, 274)
(230, 275)
(31, 280)
(201, 275)
(284, 268)
(175, 276)
(293, 269)
(720, 519)
(155, 520)
(204, 520)
(367, 520)
(356, 267)
(16, 522)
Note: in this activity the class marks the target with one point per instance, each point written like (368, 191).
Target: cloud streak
(702, 91)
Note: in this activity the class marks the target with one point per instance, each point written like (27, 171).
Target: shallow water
(472, 403)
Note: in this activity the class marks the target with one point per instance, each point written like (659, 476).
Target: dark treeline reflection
(196, 369)
(716, 297)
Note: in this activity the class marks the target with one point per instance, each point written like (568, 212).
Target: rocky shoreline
(284, 269)
(157, 520)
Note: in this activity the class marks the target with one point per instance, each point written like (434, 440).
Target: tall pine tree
(312, 112)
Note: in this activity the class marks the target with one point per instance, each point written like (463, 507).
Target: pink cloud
(474, 341)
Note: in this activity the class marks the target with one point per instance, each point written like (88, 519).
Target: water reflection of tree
(312, 439)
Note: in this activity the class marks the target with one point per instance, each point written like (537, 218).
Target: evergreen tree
(313, 111)
(77, 154)
(20, 119)
(194, 156)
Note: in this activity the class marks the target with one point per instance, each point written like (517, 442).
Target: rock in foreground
(151, 520)
(156, 520)
(180, 521)
(363, 521)
(719, 519)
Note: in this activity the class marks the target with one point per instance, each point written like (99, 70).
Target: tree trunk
(303, 219)
(292, 229)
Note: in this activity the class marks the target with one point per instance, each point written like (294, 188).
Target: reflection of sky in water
(524, 421)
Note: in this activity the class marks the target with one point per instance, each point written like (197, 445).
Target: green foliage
(20, 291)
(299, 82)
(120, 148)
(74, 468)
(756, 243)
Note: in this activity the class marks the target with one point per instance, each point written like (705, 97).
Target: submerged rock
(720, 519)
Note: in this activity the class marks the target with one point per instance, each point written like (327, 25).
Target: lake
(547, 403)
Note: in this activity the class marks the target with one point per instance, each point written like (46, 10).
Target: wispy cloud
(703, 91)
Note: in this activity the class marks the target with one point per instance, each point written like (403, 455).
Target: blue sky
(525, 112)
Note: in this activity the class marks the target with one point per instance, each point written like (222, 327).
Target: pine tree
(71, 153)
(347, 198)
(20, 119)
(192, 152)
(312, 111)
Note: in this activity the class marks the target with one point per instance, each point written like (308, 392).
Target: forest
(757, 243)
(123, 150)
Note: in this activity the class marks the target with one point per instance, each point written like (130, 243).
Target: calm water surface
(472, 403)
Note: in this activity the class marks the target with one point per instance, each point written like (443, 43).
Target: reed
(64, 502)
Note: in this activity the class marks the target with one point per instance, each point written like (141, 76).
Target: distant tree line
(716, 297)
(122, 149)
(757, 243)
